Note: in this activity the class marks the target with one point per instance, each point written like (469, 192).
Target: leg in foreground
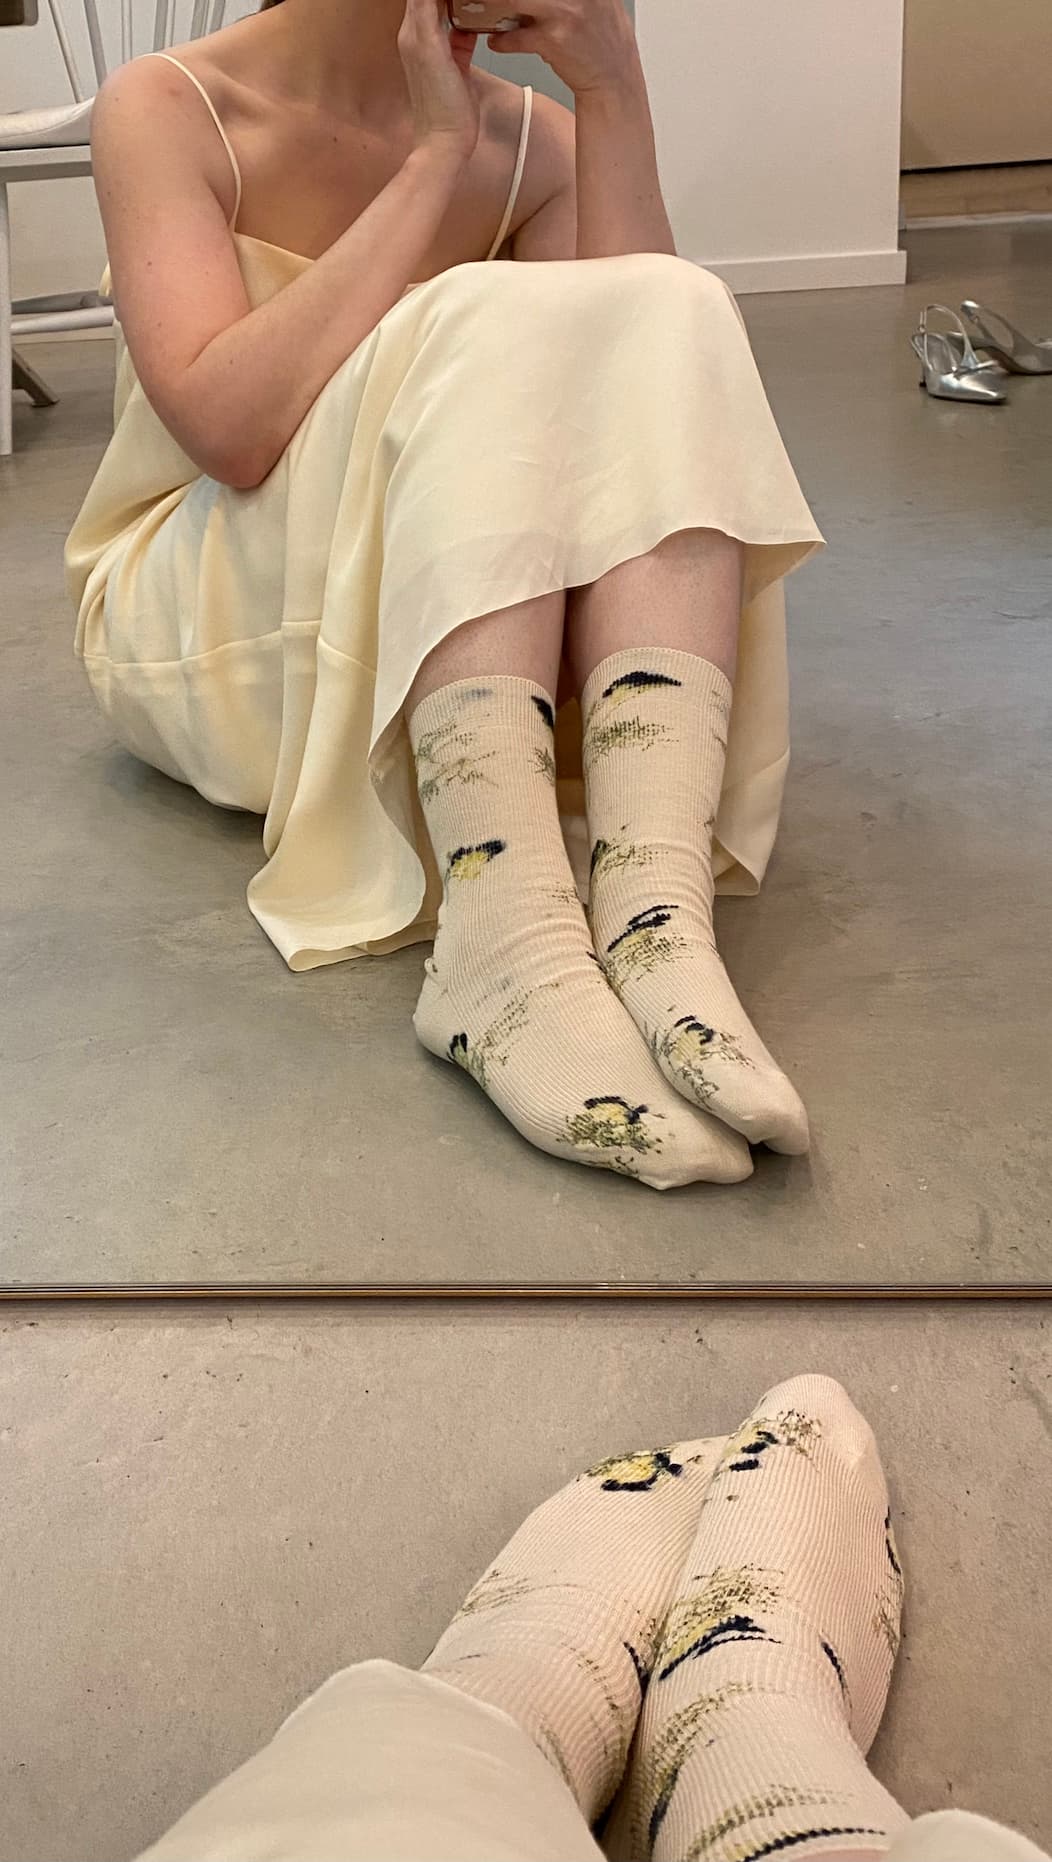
(512, 993)
(562, 1630)
(772, 1675)
(653, 645)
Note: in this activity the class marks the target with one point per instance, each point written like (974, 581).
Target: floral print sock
(512, 993)
(562, 1630)
(773, 1670)
(654, 748)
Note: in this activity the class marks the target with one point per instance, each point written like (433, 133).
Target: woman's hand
(443, 89)
(589, 44)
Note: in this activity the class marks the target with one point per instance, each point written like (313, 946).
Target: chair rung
(60, 300)
(47, 323)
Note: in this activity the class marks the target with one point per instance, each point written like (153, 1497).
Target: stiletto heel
(1023, 355)
(950, 368)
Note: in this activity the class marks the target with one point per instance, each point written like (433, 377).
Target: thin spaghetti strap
(516, 179)
(214, 114)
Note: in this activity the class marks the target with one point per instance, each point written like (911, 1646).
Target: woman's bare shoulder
(550, 155)
(145, 112)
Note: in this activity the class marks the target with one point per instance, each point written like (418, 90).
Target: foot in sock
(562, 1630)
(513, 993)
(654, 750)
(773, 1670)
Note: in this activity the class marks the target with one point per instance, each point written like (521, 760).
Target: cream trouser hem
(386, 1765)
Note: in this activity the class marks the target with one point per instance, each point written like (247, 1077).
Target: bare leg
(523, 642)
(686, 594)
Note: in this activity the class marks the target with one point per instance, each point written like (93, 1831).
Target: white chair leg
(29, 382)
(7, 444)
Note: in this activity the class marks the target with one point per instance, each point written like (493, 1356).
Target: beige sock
(562, 1630)
(774, 1666)
(513, 993)
(654, 748)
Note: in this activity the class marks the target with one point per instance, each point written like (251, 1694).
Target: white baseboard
(821, 271)
(937, 222)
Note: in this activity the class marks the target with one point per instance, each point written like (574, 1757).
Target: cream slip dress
(507, 430)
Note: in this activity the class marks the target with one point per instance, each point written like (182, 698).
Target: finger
(523, 39)
(428, 16)
(463, 46)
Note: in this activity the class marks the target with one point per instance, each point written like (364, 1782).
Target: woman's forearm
(619, 203)
(256, 380)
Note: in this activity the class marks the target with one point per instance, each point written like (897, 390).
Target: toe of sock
(756, 1101)
(787, 1131)
(844, 1428)
(697, 1149)
(772, 1113)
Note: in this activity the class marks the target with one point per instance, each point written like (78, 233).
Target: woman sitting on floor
(376, 505)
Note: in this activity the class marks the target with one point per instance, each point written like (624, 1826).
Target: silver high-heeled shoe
(1023, 355)
(950, 368)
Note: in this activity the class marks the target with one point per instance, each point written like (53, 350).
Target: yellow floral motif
(614, 856)
(621, 734)
(892, 1547)
(721, 1612)
(689, 1046)
(544, 763)
(605, 731)
(638, 1473)
(644, 944)
(634, 684)
(549, 1743)
(469, 862)
(445, 756)
(886, 1621)
(494, 1044)
(660, 1765)
(765, 1805)
(610, 1124)
(746, 1449)
(493, 1592)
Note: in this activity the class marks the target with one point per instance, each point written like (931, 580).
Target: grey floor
(181, 1108)
(215, 1506)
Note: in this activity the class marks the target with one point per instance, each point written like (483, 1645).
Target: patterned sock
(654, 747)
(774, 1666)
(513, 993)
(562, 1631)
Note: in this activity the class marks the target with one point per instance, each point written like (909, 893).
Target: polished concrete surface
(181, 1108)
(212, 1509)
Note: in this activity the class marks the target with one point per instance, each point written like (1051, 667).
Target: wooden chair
(50, 144)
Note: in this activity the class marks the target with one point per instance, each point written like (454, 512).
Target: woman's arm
(232, 384)
(619, 202)
(604, 189)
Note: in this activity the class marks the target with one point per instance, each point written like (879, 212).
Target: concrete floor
(216, 1508)
(181, 1108)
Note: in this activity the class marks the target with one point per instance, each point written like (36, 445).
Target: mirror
(180, 1109)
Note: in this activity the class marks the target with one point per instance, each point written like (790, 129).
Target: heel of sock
(431, 1018)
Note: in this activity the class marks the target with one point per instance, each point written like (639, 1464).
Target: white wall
(777, 123)
(56, 235)
(778, 135)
